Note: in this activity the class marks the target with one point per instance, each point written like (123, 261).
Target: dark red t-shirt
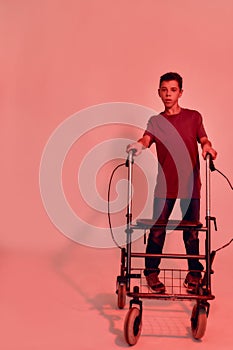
(176, 138)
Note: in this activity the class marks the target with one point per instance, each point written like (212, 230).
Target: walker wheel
(133, 326)
(121, 295)
(198, 321)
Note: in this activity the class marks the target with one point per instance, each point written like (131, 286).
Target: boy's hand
(137, 146)
(208, 149)
(141, 144)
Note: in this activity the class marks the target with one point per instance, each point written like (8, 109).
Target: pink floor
(65, 299)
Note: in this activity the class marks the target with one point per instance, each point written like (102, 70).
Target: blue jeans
(162, 210)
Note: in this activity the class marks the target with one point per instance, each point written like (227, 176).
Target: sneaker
(192, 281)
(154, 283)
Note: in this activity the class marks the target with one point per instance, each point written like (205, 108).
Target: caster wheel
(198, 321)
(121, 296)
(133, 326)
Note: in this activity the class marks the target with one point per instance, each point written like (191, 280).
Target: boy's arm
(207, 147)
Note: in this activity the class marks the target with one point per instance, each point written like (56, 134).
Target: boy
(178, 175)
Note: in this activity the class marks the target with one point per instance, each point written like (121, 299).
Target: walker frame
(172, 278)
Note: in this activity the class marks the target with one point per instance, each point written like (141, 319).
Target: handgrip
(211, 163)
(130, 158)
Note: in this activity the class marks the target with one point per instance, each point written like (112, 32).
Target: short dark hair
(171, 76)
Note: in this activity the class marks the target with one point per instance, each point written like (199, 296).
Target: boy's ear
(159, 92)
(181, 92)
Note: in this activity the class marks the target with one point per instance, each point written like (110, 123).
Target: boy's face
(169, 92)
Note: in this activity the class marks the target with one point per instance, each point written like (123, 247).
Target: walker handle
(130, 158)
(211, 163)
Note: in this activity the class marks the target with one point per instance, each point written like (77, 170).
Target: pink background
(58, 57)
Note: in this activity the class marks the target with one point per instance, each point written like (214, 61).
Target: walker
(131, 281)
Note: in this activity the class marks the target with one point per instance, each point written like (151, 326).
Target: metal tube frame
(207, 229)
(129, 229)
(208, 225)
